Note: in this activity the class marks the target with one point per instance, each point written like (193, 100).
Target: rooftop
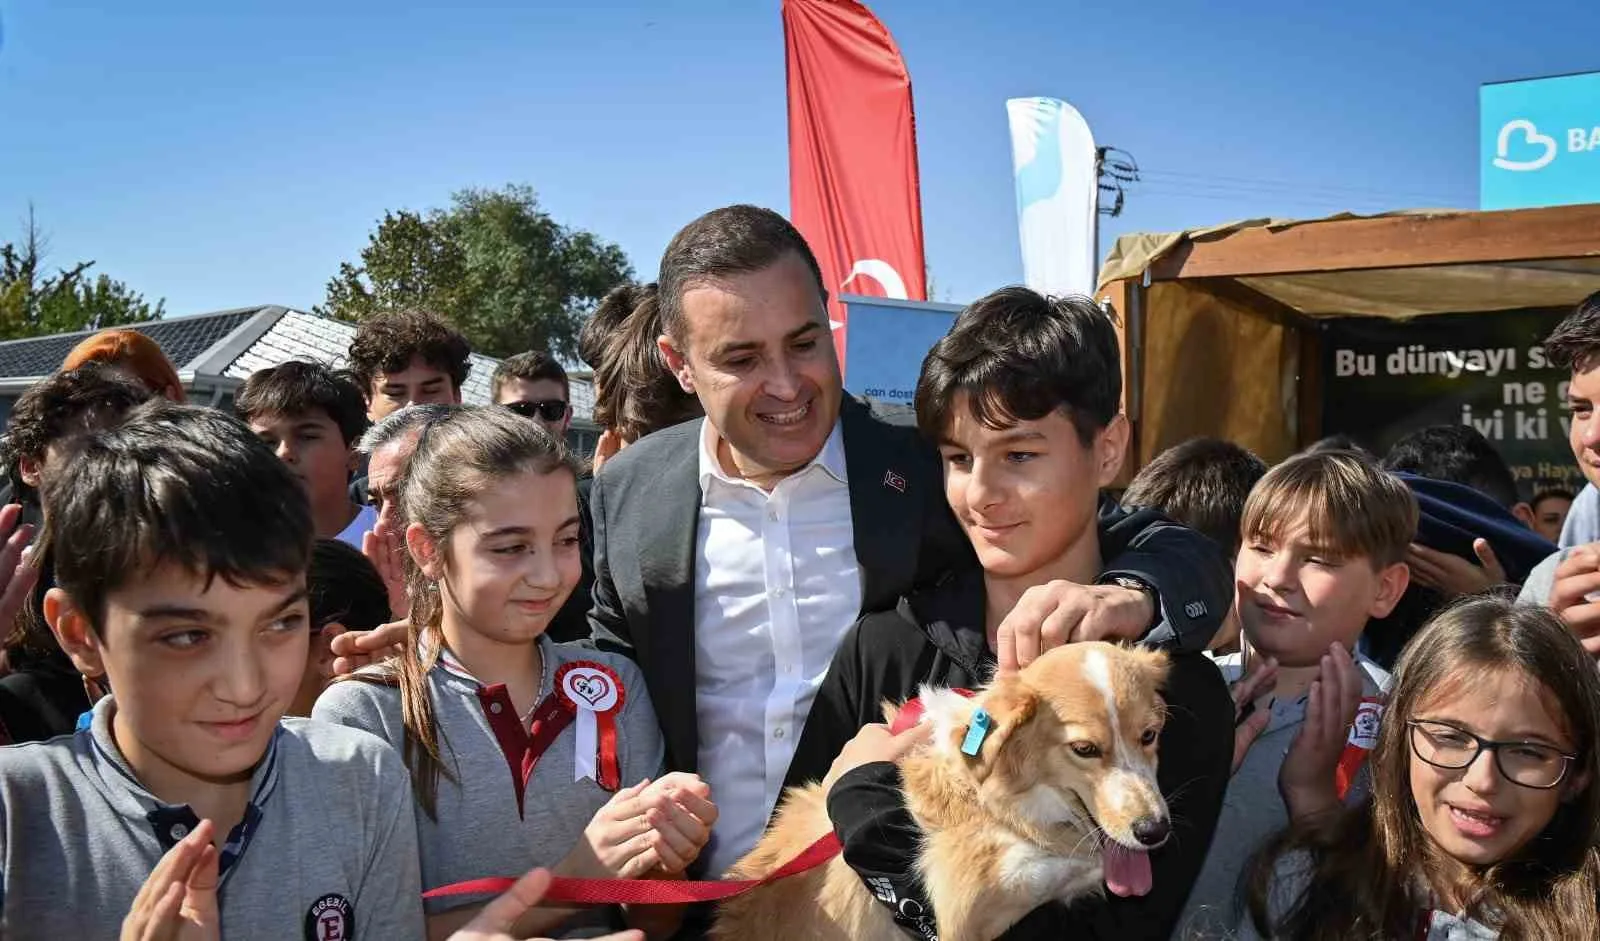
(222, 349)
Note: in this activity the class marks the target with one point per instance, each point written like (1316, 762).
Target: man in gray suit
(733, 553)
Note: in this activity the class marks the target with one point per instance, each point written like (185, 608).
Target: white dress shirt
(777, 586)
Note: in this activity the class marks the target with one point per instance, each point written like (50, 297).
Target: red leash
(669, 891)
(650, 891)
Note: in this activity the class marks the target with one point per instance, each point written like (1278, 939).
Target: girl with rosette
(523, 753)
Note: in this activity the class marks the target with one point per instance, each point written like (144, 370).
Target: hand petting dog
(875, 743)
(1063, 612)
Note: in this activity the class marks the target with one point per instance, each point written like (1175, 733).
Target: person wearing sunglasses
(534, 385)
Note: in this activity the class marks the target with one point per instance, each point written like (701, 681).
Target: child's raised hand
(1307, 778)
(19, 570)
(178, 902)
(609, 445)
(1249, 720)
(1577, 579)
(1452, 575)
(387, 553)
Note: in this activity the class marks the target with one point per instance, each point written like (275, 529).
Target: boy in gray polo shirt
(181, 546)
(1324, 536)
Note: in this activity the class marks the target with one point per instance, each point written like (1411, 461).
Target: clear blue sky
(220, 154)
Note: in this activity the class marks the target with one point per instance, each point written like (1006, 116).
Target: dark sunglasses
(551, 410)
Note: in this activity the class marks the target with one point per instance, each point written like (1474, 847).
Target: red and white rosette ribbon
(1363, 738)
(595, 694)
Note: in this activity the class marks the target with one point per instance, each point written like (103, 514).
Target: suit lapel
(883, 505)
(671, 520)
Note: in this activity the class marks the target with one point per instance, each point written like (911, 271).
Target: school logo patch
(331, 918)
(1364, 730)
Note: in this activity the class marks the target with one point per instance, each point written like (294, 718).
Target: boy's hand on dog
(494, 922)
(872, 744)
(1063, 612)
(653, 828)
(1307, 778)
(178, 901)
(1249, 717)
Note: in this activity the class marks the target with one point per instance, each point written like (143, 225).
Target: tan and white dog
(1060, 798)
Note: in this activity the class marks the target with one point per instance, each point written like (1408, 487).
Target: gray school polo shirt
(326, 852)
(1252, 809)
(481, 828)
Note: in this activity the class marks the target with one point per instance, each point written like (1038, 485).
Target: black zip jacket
(1193, 583)
(937, 638)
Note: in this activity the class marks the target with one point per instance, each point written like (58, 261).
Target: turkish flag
(853, 190)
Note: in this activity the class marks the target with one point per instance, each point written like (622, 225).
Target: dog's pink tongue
(1127, 871)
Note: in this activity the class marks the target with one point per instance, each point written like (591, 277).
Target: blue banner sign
(887, 342)
(1540, 142)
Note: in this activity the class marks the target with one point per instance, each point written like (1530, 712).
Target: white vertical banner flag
(1053, 154)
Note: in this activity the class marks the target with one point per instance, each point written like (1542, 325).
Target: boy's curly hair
(388, 343)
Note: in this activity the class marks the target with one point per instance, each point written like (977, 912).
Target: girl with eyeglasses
(1483, 821)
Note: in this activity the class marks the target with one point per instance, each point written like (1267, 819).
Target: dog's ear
(1011, 704)
(1150, 666)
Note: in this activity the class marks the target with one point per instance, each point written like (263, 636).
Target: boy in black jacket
(1022, 397)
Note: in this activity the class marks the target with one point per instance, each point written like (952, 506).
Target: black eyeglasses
(1529, 764)
(551, 410)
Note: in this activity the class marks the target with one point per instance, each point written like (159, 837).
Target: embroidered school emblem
(331, 918)
(1364, 730)
(894, 481)
(1363, 738)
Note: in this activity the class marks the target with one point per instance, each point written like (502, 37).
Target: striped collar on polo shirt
(451, 665)
(172, 822)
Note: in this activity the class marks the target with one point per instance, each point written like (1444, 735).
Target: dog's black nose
(1151, 831)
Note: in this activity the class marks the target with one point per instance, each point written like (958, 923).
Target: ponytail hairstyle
(458, 457)
(635, 393)
(1366, 866)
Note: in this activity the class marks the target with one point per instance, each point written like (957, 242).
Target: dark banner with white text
(1385, 378)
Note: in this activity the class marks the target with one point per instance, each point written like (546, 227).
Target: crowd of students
(269, 675)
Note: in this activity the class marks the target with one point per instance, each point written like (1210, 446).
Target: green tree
(33, 303)
(496, 265)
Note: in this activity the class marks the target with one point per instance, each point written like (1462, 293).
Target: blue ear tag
(976, 733)
(86, 720)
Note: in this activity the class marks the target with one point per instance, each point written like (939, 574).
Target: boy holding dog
(1022, 398)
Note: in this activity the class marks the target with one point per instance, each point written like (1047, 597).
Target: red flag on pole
(853, 189)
